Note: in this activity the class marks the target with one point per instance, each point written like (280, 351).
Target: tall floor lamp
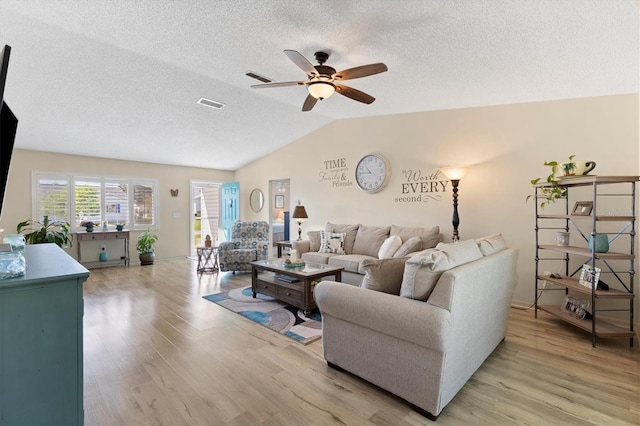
(299, 214)
(454, 174)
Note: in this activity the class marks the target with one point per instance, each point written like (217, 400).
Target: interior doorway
(279, 210)
(205, 214)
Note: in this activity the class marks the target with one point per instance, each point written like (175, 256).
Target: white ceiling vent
(210, 103)
(258, 77)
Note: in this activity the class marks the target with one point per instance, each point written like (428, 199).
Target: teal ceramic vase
(602, 243)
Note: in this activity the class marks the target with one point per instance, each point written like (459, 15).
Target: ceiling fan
(322, 79)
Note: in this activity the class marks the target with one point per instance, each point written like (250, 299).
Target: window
(97, 199)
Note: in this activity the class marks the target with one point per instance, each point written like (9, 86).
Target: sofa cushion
(423, 269)
(317, 257)
(412, 245)
(350, 262)
(369, 239)
(389, 247)
(350, 234)
(383, 275)
(314, 240)
(332, 242)
(429, 236)
(491, 244)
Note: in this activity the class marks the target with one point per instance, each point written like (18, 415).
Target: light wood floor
(156, 352)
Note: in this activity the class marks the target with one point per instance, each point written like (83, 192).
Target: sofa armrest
(410, 320)
(302, 246)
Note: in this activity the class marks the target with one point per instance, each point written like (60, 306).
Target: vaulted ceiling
(121, 78)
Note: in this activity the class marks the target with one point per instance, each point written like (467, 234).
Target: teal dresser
(41, 313)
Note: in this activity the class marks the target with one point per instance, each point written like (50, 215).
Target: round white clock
(373, 172)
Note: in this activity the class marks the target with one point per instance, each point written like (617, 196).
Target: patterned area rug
(271, 313)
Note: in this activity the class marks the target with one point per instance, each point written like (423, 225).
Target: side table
(282, 244)
(207, 259)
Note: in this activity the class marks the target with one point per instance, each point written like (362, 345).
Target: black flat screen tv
(8, 126)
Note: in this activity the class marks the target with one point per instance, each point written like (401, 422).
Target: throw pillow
(428, 236)
(314, 240)
(491, 244)
(423, 270)
(384, 275)
(369, 239)
(412, 245)
(389, 247)
(350, 234)
(332, 242)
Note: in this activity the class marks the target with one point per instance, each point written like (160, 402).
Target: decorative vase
(602, 243)
(89, 228)
(103, 257)
(147, 258)
(119, 227)
(16, 241)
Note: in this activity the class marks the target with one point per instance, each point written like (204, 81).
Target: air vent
(210, 103)
(258, 77)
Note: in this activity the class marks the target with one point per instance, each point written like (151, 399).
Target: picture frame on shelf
(574, 307)
(279, 202)
(589, 276)
(582, 208)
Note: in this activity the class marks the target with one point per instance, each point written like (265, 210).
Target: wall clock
(373, 172)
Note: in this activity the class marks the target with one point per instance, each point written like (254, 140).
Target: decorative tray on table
(293, 265)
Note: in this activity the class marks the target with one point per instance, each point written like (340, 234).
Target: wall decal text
(335, 173)
(420, 187)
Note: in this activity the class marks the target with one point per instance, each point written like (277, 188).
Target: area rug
(271, 313)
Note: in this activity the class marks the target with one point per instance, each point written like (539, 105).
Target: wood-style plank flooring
(156, 352)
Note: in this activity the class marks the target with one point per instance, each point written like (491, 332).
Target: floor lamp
(454, 174)
(299, 214)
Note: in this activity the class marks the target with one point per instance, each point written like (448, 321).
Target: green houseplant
(553, 191)
(144, 245)
(48, 231)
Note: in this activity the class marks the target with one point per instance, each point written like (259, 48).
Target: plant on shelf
(146, 241)
(88, 225)
(552, 190)
(48, 231)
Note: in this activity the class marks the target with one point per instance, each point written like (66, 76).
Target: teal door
(230, 207)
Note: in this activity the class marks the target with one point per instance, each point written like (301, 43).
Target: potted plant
(146, 241)
(553, 191)
(46, 232)
(88, 225)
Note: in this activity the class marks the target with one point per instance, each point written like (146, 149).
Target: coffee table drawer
(291, 296)
(267, 288)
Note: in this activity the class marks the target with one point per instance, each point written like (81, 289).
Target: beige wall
(173, 230)
(504, 146)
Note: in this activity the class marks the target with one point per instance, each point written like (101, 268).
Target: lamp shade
(321, 89)
(453, 173)
(299, 213)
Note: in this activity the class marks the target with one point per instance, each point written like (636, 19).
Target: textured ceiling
(120, 79)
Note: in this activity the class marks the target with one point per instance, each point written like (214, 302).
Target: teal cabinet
(41, 363)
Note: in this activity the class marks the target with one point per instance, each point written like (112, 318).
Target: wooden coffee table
(299, 293)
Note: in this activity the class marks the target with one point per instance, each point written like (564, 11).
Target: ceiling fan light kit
(322, 79)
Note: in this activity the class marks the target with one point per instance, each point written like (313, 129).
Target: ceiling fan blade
(361, 71)
(309, 103)
(354, 94)
(277, 84)
(301, 62)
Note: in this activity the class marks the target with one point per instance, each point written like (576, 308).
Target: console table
(102, 237)
(41, 359)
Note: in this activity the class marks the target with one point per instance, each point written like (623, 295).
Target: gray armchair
(249, 242)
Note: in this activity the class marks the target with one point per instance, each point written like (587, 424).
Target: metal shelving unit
(622, 285)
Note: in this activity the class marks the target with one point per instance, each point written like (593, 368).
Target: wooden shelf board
(603, 328)
(573, 284)
(582, 251)
(599, 218)
(590, 179)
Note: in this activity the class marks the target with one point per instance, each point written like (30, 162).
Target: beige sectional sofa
(355, 246)
(423, 341)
